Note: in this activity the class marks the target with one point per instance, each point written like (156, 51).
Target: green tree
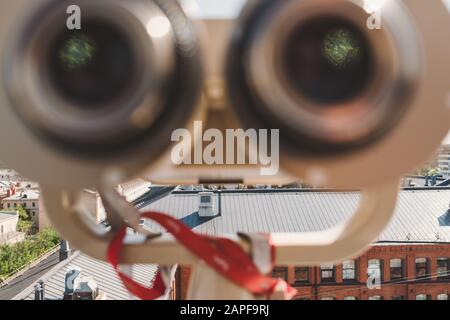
(15, 256)
(23, 214)
(24, 226)
(428, 171)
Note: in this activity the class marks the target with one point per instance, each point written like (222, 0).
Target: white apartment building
(8, 228)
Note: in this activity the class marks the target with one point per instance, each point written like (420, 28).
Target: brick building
(411, 255)
(407, 272)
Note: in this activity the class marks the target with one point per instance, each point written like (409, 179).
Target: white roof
(24, 195)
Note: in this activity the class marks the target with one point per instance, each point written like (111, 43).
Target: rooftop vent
(206, 208)
(79, 287)
(85, 289)
(71, 276)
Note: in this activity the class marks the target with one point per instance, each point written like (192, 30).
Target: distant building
(9, 175)
(443, 160)
(8, 228)
(29, 200)
(134, 189)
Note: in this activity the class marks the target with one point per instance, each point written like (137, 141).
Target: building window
(396, 269)
(15, 205)
(398, 298)
(375, 268)
(421, 268)
(9, 205)
(327, 273)
(327, 298)
(376, 298)
(281, 272)
(350, 298)
(34, 204)
(442, 268)
(301, 275)
(443, 296)
(1, 229)
(422, 297)
(349, 270)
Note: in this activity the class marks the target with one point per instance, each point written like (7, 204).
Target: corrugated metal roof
(100, 271)
(420, 216)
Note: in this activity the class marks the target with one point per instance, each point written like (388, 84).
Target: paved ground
(21, 283)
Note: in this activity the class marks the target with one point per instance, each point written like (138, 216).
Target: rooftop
(100, 271)
(421, 214)
(6, 215)
(24, 195)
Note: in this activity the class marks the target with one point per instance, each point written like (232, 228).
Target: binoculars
(348, 94)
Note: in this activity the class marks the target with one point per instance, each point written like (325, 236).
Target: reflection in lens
(341, 48)
(77, 52)
(94, 66)
(327, 60)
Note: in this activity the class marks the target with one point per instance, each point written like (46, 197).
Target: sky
(214, 8)
(230, 8)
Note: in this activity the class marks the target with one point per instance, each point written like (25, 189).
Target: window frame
(393, 269)
(332, 270)
(416, 268)
(305, 269)
(447, 272)
(427, 297)
(441, 295)
(279, 270)
(354, 269)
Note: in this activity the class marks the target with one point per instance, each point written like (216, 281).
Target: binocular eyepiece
(346, 83)
(109, 84)
(323, 74)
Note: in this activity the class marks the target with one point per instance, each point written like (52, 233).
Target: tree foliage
(15, 256)
(428, 171)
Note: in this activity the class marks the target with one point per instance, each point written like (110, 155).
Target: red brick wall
(338, 289)
(409, 290)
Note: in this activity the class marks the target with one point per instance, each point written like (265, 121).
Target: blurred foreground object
(99, 106)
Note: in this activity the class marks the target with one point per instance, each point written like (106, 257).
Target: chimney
(64, 250)
(206, 209)
(39, 291)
